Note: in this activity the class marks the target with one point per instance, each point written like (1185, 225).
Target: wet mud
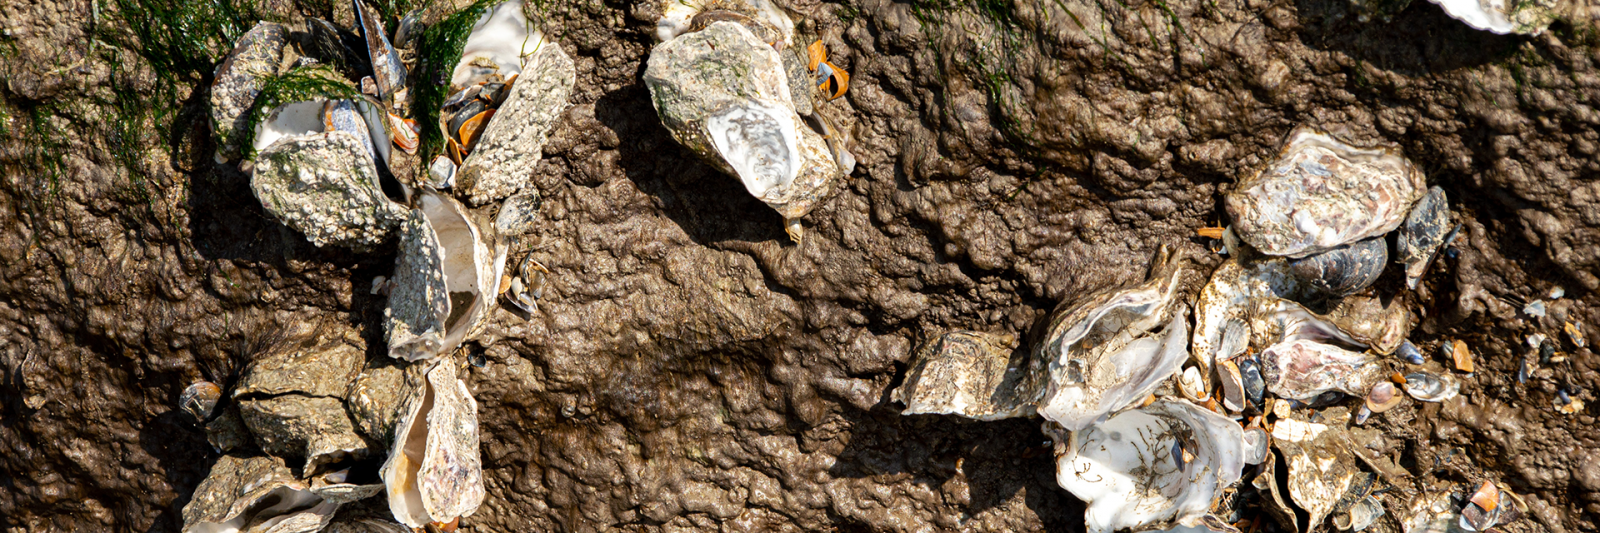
(691, 369)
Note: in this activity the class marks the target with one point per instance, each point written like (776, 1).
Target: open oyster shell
(446, 280)
(1106, 352)
(969, 373)
(511, 144)
(433, 474)
(1150, 468)
(724, 94)
(1321, 193)
(255, 494)
(1302, 369)
(1529, 17)
(1222, 312)
(325, 185)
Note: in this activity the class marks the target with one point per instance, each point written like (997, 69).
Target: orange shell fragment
(1487, 497)
(838, 79)
(816, 54)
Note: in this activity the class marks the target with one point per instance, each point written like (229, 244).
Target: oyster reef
(363, 266)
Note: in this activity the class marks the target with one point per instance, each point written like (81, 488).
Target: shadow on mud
(1415, 41)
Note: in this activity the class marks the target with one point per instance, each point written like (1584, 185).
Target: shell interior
(759, 141)
(446, 280)
(1131, 472)
(434, 473)
(498, 42)
(1116, 379)
(1304, 369)
(1501, 16)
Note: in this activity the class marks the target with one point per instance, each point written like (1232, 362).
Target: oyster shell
(684, 16)
(1321, 468)
(433, 474)
(1321, 193)
(301, 426)
(968, 373)
(326, 187)
(1430, 387)
(446, 280)
(1529, 17)
(1423, 234)
(1380, 324)
(1304, 369)
(1105, 353)
(1226, 302)
(1150, 468)
(292, 397)
(1344, 270)
(511, 144)
(259, 54)
(254, 494)
(724, 94)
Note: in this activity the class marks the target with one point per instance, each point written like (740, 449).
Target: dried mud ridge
(693, 371)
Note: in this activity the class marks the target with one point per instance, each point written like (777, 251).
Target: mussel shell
(1256, 445)
(1344, 270)
(1422, 235)
(1430, 387)
(1255, 387)
(1410, 353)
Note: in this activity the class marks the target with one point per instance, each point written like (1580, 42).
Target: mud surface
(693, 370)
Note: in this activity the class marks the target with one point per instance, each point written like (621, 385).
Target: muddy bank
(693, 370)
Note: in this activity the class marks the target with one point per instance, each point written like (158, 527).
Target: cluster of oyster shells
(318, 164)
(1292, 350)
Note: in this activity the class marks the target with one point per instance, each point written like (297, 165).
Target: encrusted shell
(446, 280)
(1380, 323)
(1419, 240)
(259, 54)
(968, 373)
(325, 185)
(291, 397)
(684, 16)
(434, 474)
(1106, 352)
(504, 157)
(1225, 303)
(243, 491)
(1344, 270)
(1150, 468)
(1430, 387)
(724, 94)
(1321, 193)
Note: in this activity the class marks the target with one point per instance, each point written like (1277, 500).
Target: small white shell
(1192, 386)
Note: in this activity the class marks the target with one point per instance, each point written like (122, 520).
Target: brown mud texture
(690, 368)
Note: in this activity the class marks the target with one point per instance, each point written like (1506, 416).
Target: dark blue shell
(1344, 270)
(1254, 386)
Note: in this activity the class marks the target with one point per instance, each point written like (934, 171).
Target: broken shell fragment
(1410, 353)
(1321, 468)
(724, 95)
(434, 474)
(1232, 386)
(527, 285)
(1256, 445)
(971, 374)
(1321, 193)
(325, 185)
(1574, 331)
(1360, 515)
(1423, 234)
(255, 494)
(199, 399)
(1430, 387)
(1344, 270)
(1528, 17)
(1462, 357)
(445, 280)
(1150, 468)
(1105, 353)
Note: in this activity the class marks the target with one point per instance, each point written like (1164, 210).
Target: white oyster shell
(325, 185)
(1321, 193)
(1131, 470)
(1105, 353)
(446, 280)
(677, 16)
(434, 473)
(724, 94)
(255, 494)
(1529, 17)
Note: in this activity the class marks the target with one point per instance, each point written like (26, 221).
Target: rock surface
(687, 371)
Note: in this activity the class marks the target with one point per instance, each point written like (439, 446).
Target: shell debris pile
(1297, 346)
(320, 146)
